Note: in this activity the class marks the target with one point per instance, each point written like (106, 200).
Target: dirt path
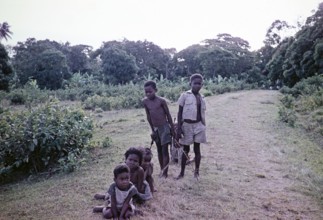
(246, 173)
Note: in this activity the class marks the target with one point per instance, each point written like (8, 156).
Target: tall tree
(277, 32)
(4, 31)
(39, 60)
(118, 67)
(6, 71)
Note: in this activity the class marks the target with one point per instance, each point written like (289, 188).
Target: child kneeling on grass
(121, 192)
(148, 167)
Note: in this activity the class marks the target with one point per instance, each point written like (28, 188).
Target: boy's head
(133, 157)
(147, 154)
(196, 82)
(122, 176)
(150, 89)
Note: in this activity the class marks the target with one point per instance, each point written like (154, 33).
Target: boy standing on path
(191, 122)
(160, 122)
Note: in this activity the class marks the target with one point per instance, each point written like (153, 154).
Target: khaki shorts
(193, 133)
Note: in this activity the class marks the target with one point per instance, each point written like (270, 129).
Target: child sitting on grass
(121, 193)
(133, 159)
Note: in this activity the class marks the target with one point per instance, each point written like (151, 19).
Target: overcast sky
(167, 23)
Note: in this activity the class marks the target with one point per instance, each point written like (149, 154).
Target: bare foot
(180, 176)
(99, 196)
(196, 174)
(98, 209)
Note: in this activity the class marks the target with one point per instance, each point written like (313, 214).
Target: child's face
(150, 92)
(146, 161)
(123, 180)
(132, 161)
(196, 85)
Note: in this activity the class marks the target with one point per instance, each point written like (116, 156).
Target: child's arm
(180, 122)
(148, 117)
(141, 174)
(114, 206)
(169, 117)
(125, 207)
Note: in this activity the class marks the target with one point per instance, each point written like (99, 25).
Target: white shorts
(194, 132)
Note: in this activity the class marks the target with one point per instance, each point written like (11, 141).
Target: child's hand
(179, 133)
(172, 130)
(154, 136)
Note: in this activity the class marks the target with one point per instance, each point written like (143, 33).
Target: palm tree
(4, 31)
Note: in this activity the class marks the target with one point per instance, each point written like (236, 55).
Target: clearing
(253, 167)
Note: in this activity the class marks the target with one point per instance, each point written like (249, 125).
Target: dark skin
(157, 115)
(196, 85)
(148, 167)
(137, 173)
(123, 183)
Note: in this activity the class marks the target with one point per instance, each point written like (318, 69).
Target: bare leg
(107, 213)
(197, 152)
(150, 181)
(98, 209)
(186, 149)
(160, 155)
(165, 159)
(99, 196)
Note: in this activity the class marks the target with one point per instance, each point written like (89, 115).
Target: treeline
(282, 61)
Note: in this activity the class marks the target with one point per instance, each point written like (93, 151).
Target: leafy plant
(37, 139)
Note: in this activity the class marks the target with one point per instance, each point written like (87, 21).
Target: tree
(187, 61)
(232, 51)
(118, 67)
(50, 69)
(39, 60)
(78, 59)
(4, 31)
(6, 70)
(216, 61)
(277, 32)
(149, 58)
(299, 57)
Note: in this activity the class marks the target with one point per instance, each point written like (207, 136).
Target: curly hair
(121, 168)
(196, 76)
(151, 83)
(133, 150)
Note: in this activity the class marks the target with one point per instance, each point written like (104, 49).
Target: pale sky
(166, 23)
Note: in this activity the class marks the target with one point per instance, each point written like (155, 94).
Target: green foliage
(107, 142)
(30, 95)
(297, 57)
(34, 140)
(42, 61)
(287, 115)
(303, 104)
(118, 67)
(306, 86)
(6, 71)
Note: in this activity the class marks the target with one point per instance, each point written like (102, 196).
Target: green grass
(70, 196)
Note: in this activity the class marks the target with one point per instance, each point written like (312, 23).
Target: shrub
(287, 115)
(37, 139)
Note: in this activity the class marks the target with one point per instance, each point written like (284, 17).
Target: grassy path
(253, 167)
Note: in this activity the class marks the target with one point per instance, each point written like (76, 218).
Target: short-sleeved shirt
(188, 101)
(121, 195)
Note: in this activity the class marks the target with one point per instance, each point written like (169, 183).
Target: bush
(303, 104)
(287, 115)
(34, 140)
